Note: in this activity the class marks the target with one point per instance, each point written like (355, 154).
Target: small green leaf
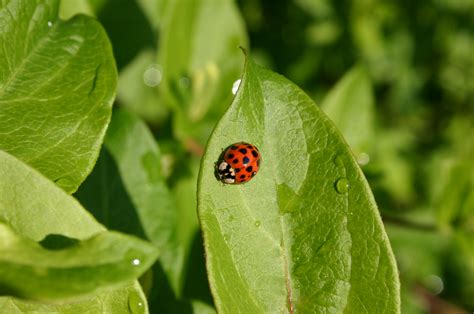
(118, 300)
(57, 85)
(200, 62)
(35, 207)
(350, 105)
(289, 240)
(29, 270)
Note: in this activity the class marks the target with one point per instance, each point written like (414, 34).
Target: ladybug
(239, 163)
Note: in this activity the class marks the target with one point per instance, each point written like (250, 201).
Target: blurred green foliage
(179, 59)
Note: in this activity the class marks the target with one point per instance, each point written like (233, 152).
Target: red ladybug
(240, 163)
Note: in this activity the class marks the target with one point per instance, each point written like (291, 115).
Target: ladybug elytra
(239, 164)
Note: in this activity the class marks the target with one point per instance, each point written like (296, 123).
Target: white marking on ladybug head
(223, 166)
(229, 180)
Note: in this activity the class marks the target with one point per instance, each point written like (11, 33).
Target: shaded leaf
(33, 209)
(118, 300)
(137, 156)
(303, 235)
(105, 196)
(57, 85)
(154, 10)
(127, 28)
(459, 269)
(109, 258)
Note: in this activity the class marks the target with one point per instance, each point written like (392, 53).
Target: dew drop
(136, 262)
(257, 223)
(135, 303)
(50, 24)
(235, 86)
(363, 159)
(341, 185)
(153, 75)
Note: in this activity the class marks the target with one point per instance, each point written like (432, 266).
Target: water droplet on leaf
(50, 24)
(136, 262)
(235, 86)
(341, 185)
(135, 303)
(363, 159)
(257, 223)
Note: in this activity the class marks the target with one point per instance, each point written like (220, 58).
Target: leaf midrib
(283, 246)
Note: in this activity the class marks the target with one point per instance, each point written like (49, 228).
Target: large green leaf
(35, 207)
(57, 85)
(74, 245)
(119, 300)
(305, 234)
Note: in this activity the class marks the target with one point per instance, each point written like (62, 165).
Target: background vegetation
(396, 77)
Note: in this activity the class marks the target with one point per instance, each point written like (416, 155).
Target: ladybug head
(226, 173)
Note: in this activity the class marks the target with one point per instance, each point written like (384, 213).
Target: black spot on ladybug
(236, 160)
(249, 146)
(231, 156)
(233, 147)
(249, 169)
(254, 153)
(246, 160)
(243, 150)
(242, 176)
(237, 170)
